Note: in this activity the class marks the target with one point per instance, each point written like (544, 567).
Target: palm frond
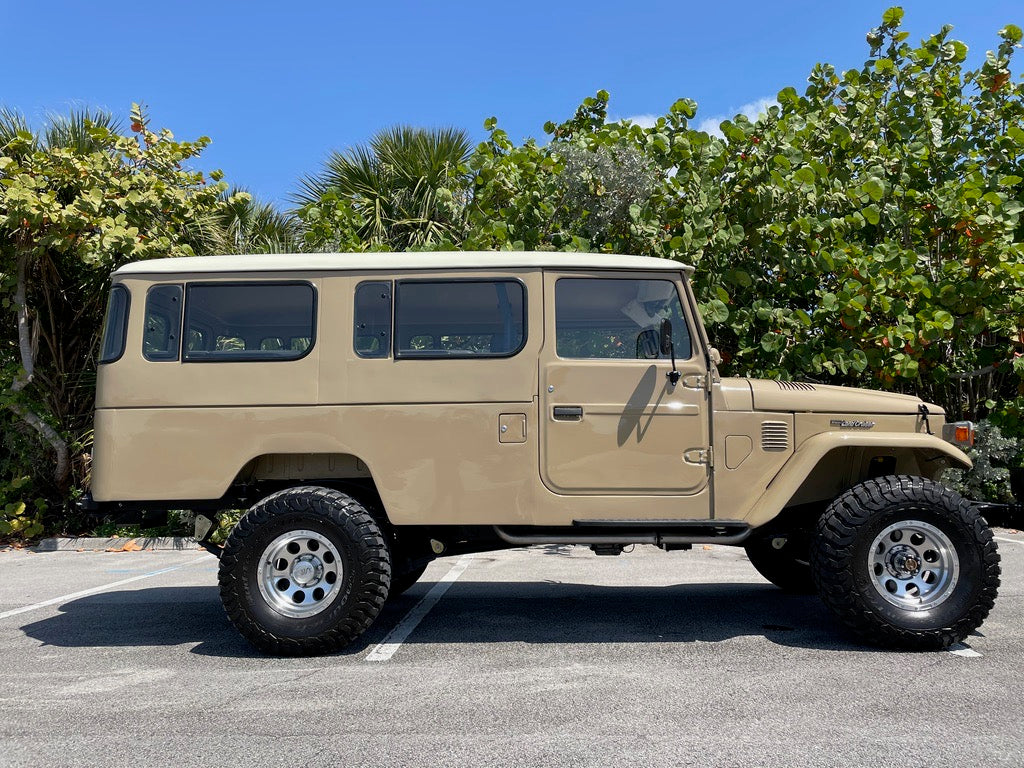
(71, 130)
(12, 123)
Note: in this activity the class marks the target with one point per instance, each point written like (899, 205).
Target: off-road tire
(788, 568)
(402, 582)
(842, 571)
(362, 587)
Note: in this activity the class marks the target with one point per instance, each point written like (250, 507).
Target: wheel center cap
(903, 562)
(303, 571)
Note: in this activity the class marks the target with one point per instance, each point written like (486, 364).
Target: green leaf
(874, 188)
(804, 175)
(685, 107)
(893, 16)
(871, 214)
(1011, 32)
(716, 311)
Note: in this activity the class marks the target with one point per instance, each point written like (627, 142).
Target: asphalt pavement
(547, 656)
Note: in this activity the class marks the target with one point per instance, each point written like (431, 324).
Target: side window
(459, 318)
(115, 325)
(373, 319)
(161, 335)
(249, 321)
(600, 318)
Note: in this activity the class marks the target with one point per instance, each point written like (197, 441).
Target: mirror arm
(673, 375)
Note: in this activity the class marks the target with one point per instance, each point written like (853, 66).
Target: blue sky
(278, 85)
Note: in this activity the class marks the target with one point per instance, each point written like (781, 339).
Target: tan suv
(380, 410)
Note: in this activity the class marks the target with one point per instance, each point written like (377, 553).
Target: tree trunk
(49, 434)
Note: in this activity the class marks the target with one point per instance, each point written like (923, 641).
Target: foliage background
(866, 231)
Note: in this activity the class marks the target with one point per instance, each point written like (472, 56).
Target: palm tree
(409, 186)
(248, 225)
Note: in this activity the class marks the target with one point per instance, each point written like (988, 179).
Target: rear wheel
(305, 571)
(906, 562)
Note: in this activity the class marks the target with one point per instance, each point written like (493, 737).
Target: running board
(657, 532)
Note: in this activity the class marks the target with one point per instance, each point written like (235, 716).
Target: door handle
(567, 413)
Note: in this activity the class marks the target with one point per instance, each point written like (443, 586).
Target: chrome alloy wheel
(300, 574)
(913, 565)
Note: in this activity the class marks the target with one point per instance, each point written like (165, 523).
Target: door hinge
(696, 380)
(700, 456)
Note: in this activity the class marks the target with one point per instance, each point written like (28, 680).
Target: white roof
(393, 262)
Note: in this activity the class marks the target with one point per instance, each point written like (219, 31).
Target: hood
(801, 397)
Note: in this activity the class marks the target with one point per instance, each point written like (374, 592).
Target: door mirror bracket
(668, 348)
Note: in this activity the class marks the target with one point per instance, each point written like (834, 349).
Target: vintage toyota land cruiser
(376, 411)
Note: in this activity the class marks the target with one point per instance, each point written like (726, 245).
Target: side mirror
(716, 356)
(665, 340)
(648, 345)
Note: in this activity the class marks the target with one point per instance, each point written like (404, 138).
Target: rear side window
(459, 318)
(249, 321)
(115, 325)
(600, 318)
(161, 335)
(373, 319)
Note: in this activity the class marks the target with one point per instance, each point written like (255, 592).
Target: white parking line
(91, 591)
(386, 649)
(1011, 541)
(962, 649)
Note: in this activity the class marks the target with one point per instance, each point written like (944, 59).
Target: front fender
(938, 453)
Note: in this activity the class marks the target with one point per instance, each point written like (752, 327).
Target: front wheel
(305, 571)
(906, 563)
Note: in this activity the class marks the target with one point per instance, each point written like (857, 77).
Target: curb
(118, 544)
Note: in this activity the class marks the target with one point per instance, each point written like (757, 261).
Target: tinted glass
(257, 321)
(373, 319)
(115, 326)
(161, 336)
(466, 318)
(602, 318)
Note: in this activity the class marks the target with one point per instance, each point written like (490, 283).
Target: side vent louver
(774, 436)
(795, 386)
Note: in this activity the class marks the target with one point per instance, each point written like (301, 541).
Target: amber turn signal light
(959, 433)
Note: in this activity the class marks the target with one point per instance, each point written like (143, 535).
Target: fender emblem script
(844, 424)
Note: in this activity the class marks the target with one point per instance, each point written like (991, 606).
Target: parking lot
(548, 656)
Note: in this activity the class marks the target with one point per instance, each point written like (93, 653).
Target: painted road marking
(92, 591)
(1011, 541)
(386, 649)
(962, 649)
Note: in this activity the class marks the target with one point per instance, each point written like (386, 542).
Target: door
(612, 422)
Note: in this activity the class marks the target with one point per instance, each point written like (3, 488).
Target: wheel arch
(342, 471)
(825, 465)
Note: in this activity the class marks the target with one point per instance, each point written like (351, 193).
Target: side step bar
(657, 532)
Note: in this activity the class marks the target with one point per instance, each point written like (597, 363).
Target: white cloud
(644, 121)
(751, 110)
